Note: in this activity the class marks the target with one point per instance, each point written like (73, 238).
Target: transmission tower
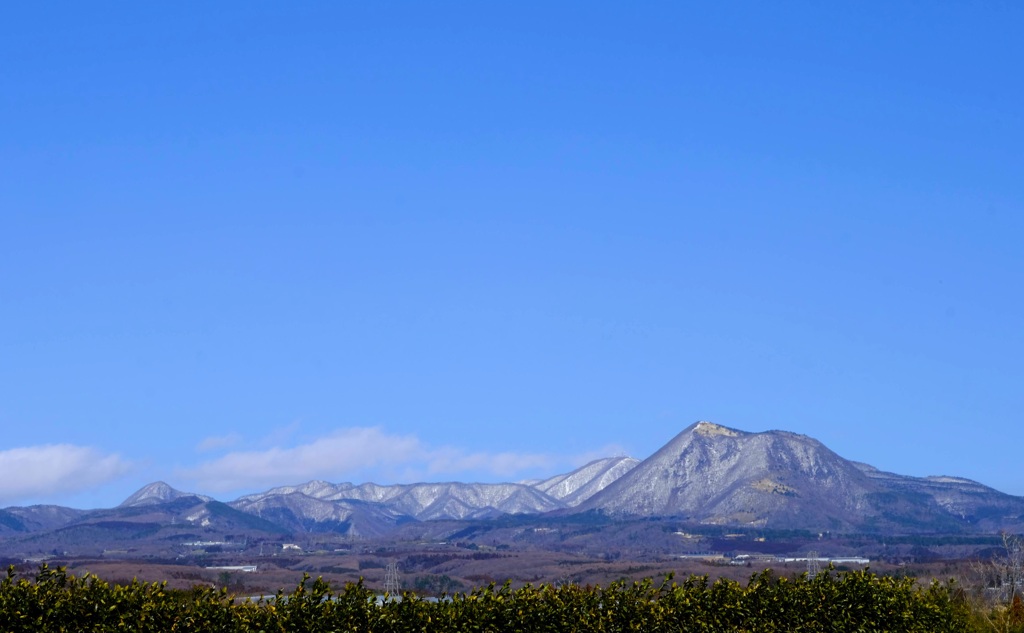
(392, 585)
(812, 565)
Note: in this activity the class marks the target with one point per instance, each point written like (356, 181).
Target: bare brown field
(431, 572)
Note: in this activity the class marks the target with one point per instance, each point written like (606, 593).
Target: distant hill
(157, 493)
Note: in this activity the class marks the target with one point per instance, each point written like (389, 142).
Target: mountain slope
(37, 518)
(714, 474)
(576, 487)
(424, 501)
(157, 493)
(297, 511)
(965, 503)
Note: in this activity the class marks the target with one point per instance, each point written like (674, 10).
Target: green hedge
(840, 602)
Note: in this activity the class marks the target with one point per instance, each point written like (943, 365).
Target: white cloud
(345, 450)
(351, 452)
(55, 469)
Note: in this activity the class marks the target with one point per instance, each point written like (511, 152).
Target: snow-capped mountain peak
(157, 492)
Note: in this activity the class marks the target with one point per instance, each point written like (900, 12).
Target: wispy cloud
(218, 443)
(281, 434)
(608, 450)
(55, 469)
(353, 451)
(344, 451)
(506, 464)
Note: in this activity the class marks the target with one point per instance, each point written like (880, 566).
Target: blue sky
(248, 244)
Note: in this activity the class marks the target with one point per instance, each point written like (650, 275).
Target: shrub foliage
(847, 601)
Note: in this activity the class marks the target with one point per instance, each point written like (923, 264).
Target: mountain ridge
(706, 474)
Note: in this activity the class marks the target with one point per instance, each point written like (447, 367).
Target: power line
(813, 565)
(392, 585)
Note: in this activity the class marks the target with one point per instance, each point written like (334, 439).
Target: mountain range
(707, 474)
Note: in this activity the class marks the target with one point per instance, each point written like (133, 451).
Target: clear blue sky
(246, 244)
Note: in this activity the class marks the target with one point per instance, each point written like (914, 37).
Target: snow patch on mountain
(579, 485)
(156, 493)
